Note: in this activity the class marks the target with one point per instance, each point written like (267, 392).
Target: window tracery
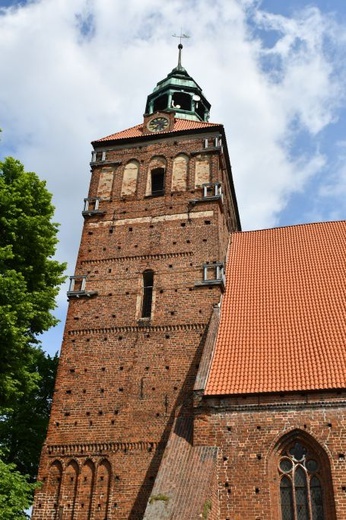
(301, 490)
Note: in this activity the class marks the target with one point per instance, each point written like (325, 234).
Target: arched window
(148, 284)
(156, 177)
(301, 490)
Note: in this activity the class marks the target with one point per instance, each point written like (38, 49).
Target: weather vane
(180, 46)
(181, 36)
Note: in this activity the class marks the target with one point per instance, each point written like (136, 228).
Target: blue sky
(274, 71)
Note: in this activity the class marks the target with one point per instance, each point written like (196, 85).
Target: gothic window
(148, 284)
(301, 490)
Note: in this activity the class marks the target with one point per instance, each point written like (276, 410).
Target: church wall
(248, 432)
(122, 378)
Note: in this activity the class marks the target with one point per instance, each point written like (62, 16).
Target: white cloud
(331, 196)
(304, 75)
(76, 70)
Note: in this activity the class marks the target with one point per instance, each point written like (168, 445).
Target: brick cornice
(270, 406)
(98, 448)
(139, 328)
(137, 257)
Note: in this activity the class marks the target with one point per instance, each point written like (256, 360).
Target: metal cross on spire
(181, 36)
(180, 46)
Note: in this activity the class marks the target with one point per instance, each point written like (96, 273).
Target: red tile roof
(283, 315)
(137, 131)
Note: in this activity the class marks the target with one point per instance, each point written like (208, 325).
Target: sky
(73, 71)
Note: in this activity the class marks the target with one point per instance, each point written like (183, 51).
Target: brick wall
(251, 433)
(122, 379)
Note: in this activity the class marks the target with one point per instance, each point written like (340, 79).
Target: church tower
(149, 272)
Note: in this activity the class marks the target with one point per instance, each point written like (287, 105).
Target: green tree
(29, 276)
(15, 492)
(29, 284)
(23, 429)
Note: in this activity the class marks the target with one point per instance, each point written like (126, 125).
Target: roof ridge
(301, 224)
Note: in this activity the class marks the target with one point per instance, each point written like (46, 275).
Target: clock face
(158, 124)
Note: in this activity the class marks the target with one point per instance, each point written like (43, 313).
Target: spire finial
(180, 46)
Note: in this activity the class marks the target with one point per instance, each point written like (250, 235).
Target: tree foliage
(29, 276)
(15, 492)
(29, 284)
(23, 428)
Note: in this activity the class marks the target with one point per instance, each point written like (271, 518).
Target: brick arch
(157, 164)
(283, 437)
(181, 154)
(180, 172)
(132, 160)
(317, 451)
(102, 490)
(158, 161)
(85, 489)
(54, 483)
(69, 488)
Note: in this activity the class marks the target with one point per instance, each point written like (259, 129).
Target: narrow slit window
(148, 284)
(157, 181)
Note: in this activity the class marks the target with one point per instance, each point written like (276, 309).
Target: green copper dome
(179, 93)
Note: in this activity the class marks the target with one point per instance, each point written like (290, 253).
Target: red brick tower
(157, 219)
